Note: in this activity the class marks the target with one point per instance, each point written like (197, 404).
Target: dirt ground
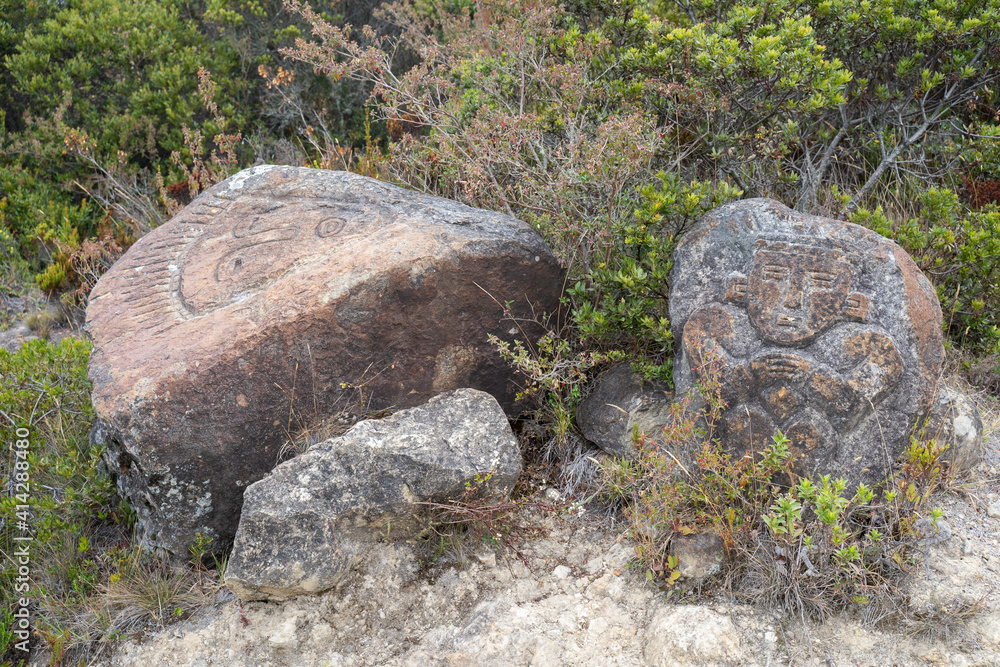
(580, 603)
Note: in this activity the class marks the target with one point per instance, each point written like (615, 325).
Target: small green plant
(555, 374)
(201, 552)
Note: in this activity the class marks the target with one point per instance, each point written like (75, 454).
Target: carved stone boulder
(822, 330)
(276, 298)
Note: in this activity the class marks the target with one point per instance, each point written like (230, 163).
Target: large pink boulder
(271, 301)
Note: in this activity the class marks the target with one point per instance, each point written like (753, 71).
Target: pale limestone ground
(581, 605)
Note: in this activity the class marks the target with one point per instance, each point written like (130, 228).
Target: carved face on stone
(795, 292)
(252, 244)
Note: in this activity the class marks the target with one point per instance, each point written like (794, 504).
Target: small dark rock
(699, 555)
(621, 403)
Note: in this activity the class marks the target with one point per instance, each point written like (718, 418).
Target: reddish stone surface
(273, 300)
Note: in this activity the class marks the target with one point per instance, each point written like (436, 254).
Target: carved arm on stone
(770, 367)
(706, 335)
(879, 366)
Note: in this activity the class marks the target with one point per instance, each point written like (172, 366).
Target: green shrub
(44, 390)
(36, 213)
(555, 372)
(959, 250)
(785, 98)
(624, 300)
(14, 270)
(981, 155)
(125, 72)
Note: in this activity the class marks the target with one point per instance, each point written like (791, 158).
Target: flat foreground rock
(276, 298)
(307, 523)
(821, 329)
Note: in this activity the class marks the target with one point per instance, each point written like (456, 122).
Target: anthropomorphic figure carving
(764, 333)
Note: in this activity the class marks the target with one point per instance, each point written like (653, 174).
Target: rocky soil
(579, 603)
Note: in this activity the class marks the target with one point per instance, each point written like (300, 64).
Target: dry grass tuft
(944, 620)
(148, 590)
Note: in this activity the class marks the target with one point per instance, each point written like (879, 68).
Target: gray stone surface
(954, 421)
(682, 635)
(819, 328)
(307, 523)
(11, 304)
(12, 338)
(699, 555)
(278, 297)
(621, 404)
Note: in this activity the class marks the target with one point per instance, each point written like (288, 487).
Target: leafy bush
(36, 213)
(959, 250)
(126, 72)
(787, 97)
(14, 270)
(555, 372)
(624, 300)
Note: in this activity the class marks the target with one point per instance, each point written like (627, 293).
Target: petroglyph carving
(253, 244)
(811, 326)
(791, 295)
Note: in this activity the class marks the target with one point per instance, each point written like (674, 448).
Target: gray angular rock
(621, 403)
(306, 524)
(818, 328)
(954, 421)
(271, 299)
(932, 532)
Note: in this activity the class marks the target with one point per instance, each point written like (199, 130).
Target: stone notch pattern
(281, 296)
(821, 329)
